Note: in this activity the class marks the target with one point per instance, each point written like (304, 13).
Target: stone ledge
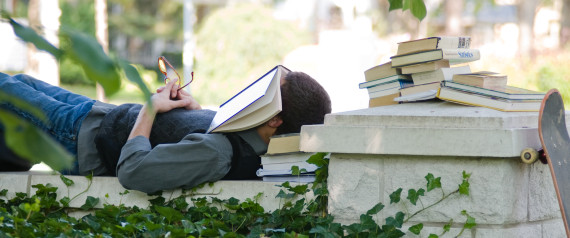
(108, 190)
(418, 141)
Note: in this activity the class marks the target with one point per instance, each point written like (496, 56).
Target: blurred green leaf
(133, 75)
(395, 4)
(88, 53)
(377, 208)
(31, 143)
(29, 35)
(418, 9)
(395, 196)
(66, 181)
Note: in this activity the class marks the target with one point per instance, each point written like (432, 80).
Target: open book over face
(254, 105)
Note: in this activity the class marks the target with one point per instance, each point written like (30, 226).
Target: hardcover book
(380, 71)
(455, 56)
(424, 67)
(383, 100)
(473, 99)
(253, 106)
(432, 43)
(507, 92)
(439, 75)
(484, 79)
(384, 80)
(285, 143)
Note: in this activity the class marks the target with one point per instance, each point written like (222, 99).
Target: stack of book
(438, 67)
(283, 158)
(383, 83)
(488, 89)
(431, 61)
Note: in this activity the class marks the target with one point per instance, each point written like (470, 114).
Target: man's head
(304, 102)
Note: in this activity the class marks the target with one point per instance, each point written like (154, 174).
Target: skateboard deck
(556, 145)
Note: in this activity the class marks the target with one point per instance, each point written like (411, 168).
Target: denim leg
(64, 110)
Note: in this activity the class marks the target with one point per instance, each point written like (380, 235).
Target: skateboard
(555, 148)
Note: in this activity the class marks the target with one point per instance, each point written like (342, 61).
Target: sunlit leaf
(88, 53)
(418, 9)
(33, 144)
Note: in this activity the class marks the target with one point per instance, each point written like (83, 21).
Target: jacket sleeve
(196, 159)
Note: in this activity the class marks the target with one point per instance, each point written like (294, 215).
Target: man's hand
(181, 95)
(166, 99)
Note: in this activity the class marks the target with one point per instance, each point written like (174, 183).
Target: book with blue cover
(252, 106)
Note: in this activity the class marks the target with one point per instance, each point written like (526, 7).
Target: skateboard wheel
(529, 155)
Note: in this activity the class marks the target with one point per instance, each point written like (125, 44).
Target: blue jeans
(64, 110)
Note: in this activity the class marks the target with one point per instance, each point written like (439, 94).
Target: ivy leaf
(367, 223)
(66, 181)
(299, 189)
(470, 223)
(318, 159)
(171, 214)
(416, 229)
(377, 208)
(282, 194)
(466, 175)
(447, 227)
(464, 188)
(433, 236)
(3, 192)
(414, 195)
(65, 201)
(396, 221)
(395, 196)
(90, 203)
(432, 182)
(295, 170)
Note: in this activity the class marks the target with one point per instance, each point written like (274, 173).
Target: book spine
(454, 42)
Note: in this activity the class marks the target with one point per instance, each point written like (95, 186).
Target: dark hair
(304, 102)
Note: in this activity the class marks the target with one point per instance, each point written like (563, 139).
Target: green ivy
(42, 215)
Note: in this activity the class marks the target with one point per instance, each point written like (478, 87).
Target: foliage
(416, 7)
(236, 45)
(30, 142)
(78, 15)
(44, 215)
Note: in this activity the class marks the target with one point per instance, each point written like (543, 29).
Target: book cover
(285, 143)
(384, 80)
(473, 99)
(383, 100)
(484, 79)
(380, 71)
(443, 74)
(418, 88)
(252, 106)
(403, 84)
(288, 166)
(389, 85)
(507, 92)
(303, 178)
(431, 43)
(424, 67)
(455, 56)
(419, 96)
